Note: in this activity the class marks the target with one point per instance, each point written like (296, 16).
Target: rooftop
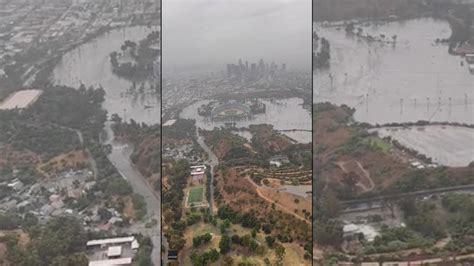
(111, 262)
(108, 241)
(114, 251)
(368, 231)
(169, 123)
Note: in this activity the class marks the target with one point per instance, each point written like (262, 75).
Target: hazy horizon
(206, 35)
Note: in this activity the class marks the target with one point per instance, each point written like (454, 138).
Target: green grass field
(196, 195)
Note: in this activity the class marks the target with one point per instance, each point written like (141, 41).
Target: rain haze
(206, 35)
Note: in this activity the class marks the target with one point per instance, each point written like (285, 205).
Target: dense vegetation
(430, 222)
(181, 129)
(247, 220)
(146, 142)
(61, 241)
(142, 54)
(172, 199)
(326, 208)
(25, 133)
(53, 126)
(50, 127)
(321, 58)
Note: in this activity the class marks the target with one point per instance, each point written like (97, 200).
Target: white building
(470, 61)
(198, 172)
(169, 122)
(112, 251)
(351, 229)
(15, 185)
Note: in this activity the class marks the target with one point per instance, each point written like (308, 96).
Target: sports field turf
(196, 194)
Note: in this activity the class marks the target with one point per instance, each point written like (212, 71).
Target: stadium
(231, 111)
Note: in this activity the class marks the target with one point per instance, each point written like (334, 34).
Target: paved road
(363, 204)
(120, 158)
(213, 162)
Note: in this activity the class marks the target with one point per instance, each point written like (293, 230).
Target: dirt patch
(273, 182)
(241, 193)
(146, 156)
(294, 205)
(223, 143)
(269, 141)
(127, 203)
(10, 156)
(75, 160)
(197, 230)
(361, 177)
(346, 162)
(23, 240)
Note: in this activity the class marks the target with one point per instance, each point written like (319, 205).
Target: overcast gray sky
(207, 34)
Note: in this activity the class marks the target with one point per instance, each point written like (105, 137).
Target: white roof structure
(470, 59)
(198, 170)
(350, 228)
(198, 166)
(368, 231)
(112, 262)
(114, 251)
(276, 163)
(169, 122)
(109, 241)
(135, 244)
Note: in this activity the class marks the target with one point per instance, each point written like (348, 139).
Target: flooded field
(285, 114)
(89, 64)
(20, 99)
(446, 145)
(409, 80)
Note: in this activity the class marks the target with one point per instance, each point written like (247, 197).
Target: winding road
(120, 158)
(213, 162)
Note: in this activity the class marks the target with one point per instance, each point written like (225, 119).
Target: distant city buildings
(255, 71)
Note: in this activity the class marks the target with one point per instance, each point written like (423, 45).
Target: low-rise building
(112, 251)
(198, 172)
(278, 160)
(15, 185)
(352, 230)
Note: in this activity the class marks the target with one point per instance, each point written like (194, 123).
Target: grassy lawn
(196, 195)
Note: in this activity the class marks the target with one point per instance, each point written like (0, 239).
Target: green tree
(225, 244)
(280, 252)
(228, 261)
(104, 214)
(270, 240)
